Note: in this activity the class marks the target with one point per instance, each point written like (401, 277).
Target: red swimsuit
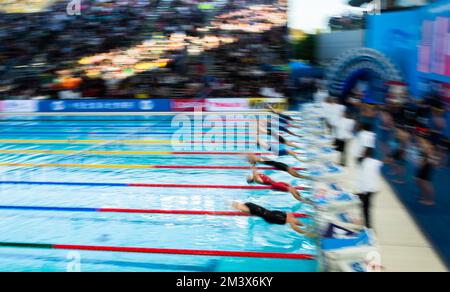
(279, 186)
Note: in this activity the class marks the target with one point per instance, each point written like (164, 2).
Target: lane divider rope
(144, 185)
(198, 252)
(137, 166)
(135, 211)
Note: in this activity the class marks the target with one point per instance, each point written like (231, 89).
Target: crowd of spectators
(145, 49)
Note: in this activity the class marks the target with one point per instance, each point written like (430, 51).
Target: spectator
(228, 51)
(425, 172)
(385, 131)
(398, 155)
(437, 126)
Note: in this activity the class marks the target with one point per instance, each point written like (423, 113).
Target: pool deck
(404, 248)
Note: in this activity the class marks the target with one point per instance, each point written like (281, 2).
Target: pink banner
(227, 104)
(188, 104)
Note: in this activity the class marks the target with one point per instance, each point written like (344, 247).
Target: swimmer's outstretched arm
(308, 233)
(296, 194)
(293, 154)
(272, 109)
(280, 113)
(293, 134)
(297, 229)
(291, 125)
(293, 144)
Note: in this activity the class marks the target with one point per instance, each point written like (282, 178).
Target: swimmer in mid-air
(284, 119)
(282, 151)
(265, 127)
(263, 179)
(275, 217)
(281, 139)
(280, 114)
(253, 159)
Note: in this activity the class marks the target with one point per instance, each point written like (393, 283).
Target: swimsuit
(278, 165)
(278, 186)
(273, 217)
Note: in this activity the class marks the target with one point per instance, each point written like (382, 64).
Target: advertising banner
(188, 104)
(434, 44)
(105, 105)
(19, 106)
(227, 104)
(259, 103)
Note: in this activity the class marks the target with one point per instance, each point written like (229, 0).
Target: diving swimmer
(275, 217)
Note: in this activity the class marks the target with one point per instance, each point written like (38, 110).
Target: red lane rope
(221, 253)
(204, 186)
(225, 133)
(137, 211)
(186, 212)
(225, 142)
(144, 185)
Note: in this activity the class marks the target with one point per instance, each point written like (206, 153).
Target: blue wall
(398, 34)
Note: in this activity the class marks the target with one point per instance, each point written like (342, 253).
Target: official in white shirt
(365, 138)
(336, 112)
(344, 133)
(368, 181)
(320, 96)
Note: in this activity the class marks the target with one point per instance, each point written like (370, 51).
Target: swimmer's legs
(295, 194)
(241, 207)
(253, 159)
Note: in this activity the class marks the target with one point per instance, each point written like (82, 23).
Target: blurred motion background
(387, 61)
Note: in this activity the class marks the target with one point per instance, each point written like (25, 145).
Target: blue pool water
(132, 230)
